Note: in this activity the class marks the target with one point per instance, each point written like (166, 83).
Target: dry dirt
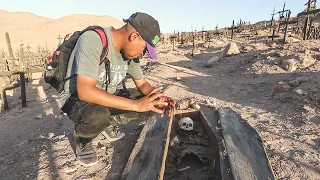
(282, 106)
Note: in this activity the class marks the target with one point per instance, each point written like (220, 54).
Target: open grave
(189, 145)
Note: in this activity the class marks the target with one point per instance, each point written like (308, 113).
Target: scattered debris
(198, 151)
(39, 116)
(174, 141)
(300, 92)
(210, 104)
(183, 169)
(183, 104)
(281, 87)
(195, 106)
(294, 83)
(46, 136)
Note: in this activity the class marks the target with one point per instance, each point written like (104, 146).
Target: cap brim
(152, 51)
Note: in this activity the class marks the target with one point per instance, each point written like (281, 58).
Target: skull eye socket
(190, 124)
(184, 124)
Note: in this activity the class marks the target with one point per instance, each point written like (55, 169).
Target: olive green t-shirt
(85, 59)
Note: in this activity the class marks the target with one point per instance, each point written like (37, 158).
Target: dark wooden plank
(10, 73)
(246, 153)
(147, 159)
(289, 22)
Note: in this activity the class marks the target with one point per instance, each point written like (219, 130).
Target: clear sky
(171, 14)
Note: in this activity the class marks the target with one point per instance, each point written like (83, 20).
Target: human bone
(186, 124)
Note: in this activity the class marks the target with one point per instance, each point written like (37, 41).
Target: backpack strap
(105, 49)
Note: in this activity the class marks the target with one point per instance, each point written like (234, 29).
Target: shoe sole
(87, 165)
(111, 139)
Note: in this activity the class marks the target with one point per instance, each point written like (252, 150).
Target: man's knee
(94, 119)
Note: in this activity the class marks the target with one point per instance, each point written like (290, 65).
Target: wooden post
(11, 56)
(273, 33)
(2, 66)
(306, 24)
(4, 102)
(232, 29)
(22, 60)
(22, 78)
(9, 46)
(286, 28)
(272, 19)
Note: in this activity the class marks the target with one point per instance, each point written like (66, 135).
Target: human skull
(186, 124)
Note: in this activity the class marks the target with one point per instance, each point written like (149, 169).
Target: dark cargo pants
(90, 119)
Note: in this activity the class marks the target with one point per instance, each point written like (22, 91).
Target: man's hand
(148, 102)
(168, 108)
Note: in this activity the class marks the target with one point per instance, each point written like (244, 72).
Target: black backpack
(57, 64)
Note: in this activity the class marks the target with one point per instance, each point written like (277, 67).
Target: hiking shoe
(112, 133)
(84, 151)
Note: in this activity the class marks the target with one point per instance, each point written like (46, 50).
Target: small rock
(294, 83)
(273, 45)
(183, 104)
(303, 79)
(279, 54)
(61, 136)
(39, 116)
(101, 146)
(289, 65)
(300, 92)
(281, 87)
(178, 78)
(174, 141)
(210, 104)
(195, 106)
(212, 61)
(50, 135)
(306, 61)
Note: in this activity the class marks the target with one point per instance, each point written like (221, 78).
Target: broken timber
(147, 159)
(244, 147)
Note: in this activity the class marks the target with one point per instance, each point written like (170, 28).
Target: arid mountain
(33, 30)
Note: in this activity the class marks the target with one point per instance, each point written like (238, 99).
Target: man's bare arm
(88, 92)
(143, 86)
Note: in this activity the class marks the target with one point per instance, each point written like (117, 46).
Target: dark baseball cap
(148, 28)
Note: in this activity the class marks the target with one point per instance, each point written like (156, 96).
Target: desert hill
(33, 30)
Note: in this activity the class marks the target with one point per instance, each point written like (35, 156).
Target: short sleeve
(87, 54)
(134, 69)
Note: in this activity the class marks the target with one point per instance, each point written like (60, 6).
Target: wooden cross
(272, 19)
(232, 29)
(59, 38)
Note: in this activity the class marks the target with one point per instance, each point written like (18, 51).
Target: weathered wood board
(246, 153)
(147, 159)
